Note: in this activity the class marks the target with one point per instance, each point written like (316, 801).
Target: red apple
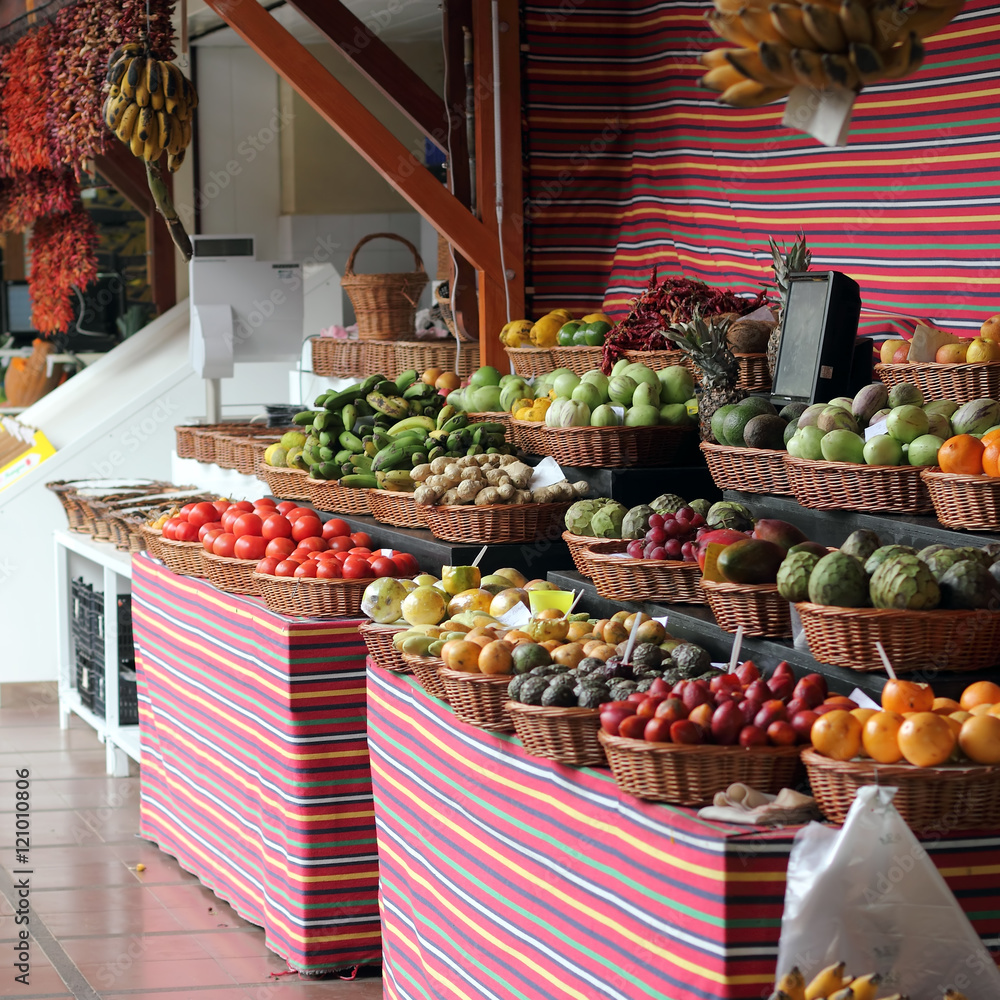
(747, 672)
(672, 710)
(632, 728)
(770, 711)
(809, 693)
(758, 691)
(751, 736)
(702, 716)
(782, 734)
(802, 723)
(685, 731)
(727, 721)
(657, 731)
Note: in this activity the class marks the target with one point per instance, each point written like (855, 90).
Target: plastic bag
(869, 895)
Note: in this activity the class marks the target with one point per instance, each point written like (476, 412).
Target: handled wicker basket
(183, 558)
(619, 577)
(961, 383)
(385, 305)
(758, 607)
(308, 597)
(751, 470)
(427, 670)
(382, 650)
(565, 735)
(496, 524)
(578, 360)
(577, 545)
(968, 502)
(688, 775)
(896, 489)
(479, 699)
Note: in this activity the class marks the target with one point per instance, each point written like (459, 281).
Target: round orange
(983, 709)
(496, 659)
(837, 735)
(460, 654)
(547, 613)
(926, 739)
(980, 739)
(863, 714)
(568, 655)
(901, 696)
(945, 706)
(980, 693)
(991, 457)
(962, 455)
(880, 737)
(990, 436)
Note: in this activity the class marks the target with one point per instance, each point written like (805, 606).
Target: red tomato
(362, 539)
(383, 566)
(356, 568)
(223, 544)
(296, 512)
(300, 553)
(342, 557)
(229, 518)
(168, 527)
(188, 507)
(341, 543)
(209, 539)
(244, 505)
(360, 551)
(328, 569)
(203, 513)
(308, 569)
(207, 527)
(406, 565)
(267, 566)
(185, 532)
(298, 558)
(335, 528)
(307, 526)
(249, 547)
(247, 524)
(279, 548)
(286, 567)
(325, 556)
(276, 526)
(221, 506)
(286, 505)
(314, 543)
(264, 502)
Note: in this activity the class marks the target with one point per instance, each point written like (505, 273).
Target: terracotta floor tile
(202, 918)
(94, 873)
(185, 993)
(97, 899)
(244, 943)
(137, 947)
(56, 827)
(139, 921)
(41, 797)
(249, 969)
(129, 974)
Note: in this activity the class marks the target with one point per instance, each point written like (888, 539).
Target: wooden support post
(13, 257)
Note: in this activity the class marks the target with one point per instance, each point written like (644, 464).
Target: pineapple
(784, 262)
(703, 340)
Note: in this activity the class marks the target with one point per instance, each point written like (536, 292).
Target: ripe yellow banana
(175, 134)
(824, 26)
(866, 987)
(164, 128)
(905, 58)
(711, 58)
(174, 161)
(147, 124)
(793, 984)
(729, 27)
(134, 77)
(888, 20)
(779, 995)
(750, 94)
(854, 21)
(721, 78)
(808, 69)
(867, 62)
(137, 144)
(845, 994)
(116, 71)
(185, 134)
(126, 124)
(759, 25)
(841, 73)
(114, 108)
(190, 94)
(154, 84)
(751, 64)
(777, 60)
(788, 21)
(825, 982)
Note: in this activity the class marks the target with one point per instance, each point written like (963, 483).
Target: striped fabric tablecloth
(254, 768)
(506, 876)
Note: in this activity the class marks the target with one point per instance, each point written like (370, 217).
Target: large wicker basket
(619, 577)
(754, 374)
(969, 502)
(752, 470)
(759, 608)
(565, 735)
(328, 495)
(378, 356)
(961, 383)
(530, 362)
(385, 305)
(248, 452)
(289, 484)
(424, 354)
(234, 576)
(662, 359)
(951, 641)
(397, 509)
(66, 489)
(577, 545)
(152, 538)
(379, 640)
(601, 447)
(578, 360)
(896, 489)
(333, 358)
(427, 670)
(183, 558)
(687, 775)
(479, 699)
(496, 524)
(308, 597)
(965, 797)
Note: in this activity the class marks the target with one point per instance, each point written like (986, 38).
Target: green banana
(325, 454)
(363, 407)
(435, 452)
(359, 481)
(398, 476)
(347, 469)
(445, 414)
(418, 458)
(349, 416)
(406, 379)
(336, 401)
(326, 438)
(328, 470)
(342, 456)
(391, 406)
(420, 391)
(369, 384)
(382, 440)
(304, 418)
(362, 463)
(351, 441)
(371, 448)
(455, 423)
(411, 423)
(396, 456)
(322, 420)
(416, 407)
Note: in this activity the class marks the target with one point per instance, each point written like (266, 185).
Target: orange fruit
(460, 654)
(980, 693)
(907, 696)
(962, 454)
(926, 739)
(945, 706)
(991, 458)
(880, 737)
(549, 613)
(568, 655)
(980, 739)
(837, 735)
(496, 659)
(990, 437)
(983, 709)
(961, 715)
(863, 714)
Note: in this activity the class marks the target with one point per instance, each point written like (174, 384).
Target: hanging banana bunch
(823, 45)
(149, 105)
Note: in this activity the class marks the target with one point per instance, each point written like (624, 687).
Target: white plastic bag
(869, 895)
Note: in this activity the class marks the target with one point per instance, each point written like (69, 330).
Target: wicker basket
(479, 699)
(752, 470)
(234, 576)
(576, 545)
(754, 374)
(500, 417)
(91, 505)
(308, 597)
(687, 775)
(601, 447)
(397, 509)
(968, 797)
(152, 538)
(423, 354)
(759, 608)
(333, 358)
(565, 735)
(377, 356)
(953, 641)
(289, 484)
(619, 577)
(661, 359)
(205, 441)
(896, 489)
(183, 558)
(184, 440)
(328, 495)
(427, 670)
(385, 305)
(530, 362)
(248, 452)
(969, 502)
(496, 524)
(961, 383)
(378, 639)
(227, 443)
(578, 360)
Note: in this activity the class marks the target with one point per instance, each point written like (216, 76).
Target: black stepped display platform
(632, 487)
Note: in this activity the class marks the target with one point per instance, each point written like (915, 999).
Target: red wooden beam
(379, 64)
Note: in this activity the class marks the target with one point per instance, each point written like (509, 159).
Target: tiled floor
(106, 930)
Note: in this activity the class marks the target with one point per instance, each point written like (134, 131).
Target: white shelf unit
(107, 569)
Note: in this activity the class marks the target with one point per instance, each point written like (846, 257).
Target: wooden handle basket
(759, 608)
(328, 495)
(397, 509)
(305, 597)
(578, 360)
(427, 670)
(849, 486)
(752, 470)
(530, 362)
(968, 502)
(687, 775)
(966, 797)
(961, 383)
(496, 524)
(289, 484)
(479, 699)
(333, 358)
(754, 374)
(378, 639)
(385, 305)
(565, 735)
(619, 577)
(234, 576)
(601, 447)
(953, 641)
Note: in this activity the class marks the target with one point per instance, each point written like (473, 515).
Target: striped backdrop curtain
(632, 166)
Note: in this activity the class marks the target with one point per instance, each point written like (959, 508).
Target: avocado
(765, 431)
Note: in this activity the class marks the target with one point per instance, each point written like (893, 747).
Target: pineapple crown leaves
(785, 261)
(703, 339)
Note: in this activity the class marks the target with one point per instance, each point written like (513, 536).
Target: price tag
(547, 473)
(863, 700)
(385, 552)
(692, 407)
(517, 616)
(879, 427)
(619, 412)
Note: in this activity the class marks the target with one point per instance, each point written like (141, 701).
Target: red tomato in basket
(328, 569)
(406, 564)
(296, 512)
(314, 544)
(357, 568)
(168, 528)
(221, 506)
(286, 505)
(336, 528)
(325, 556)
(341, 543)
(362, 539)
(247, 524)
(207, 527)
(224, 544)
(202, 513)
(307, 526)
(383, 566)
(276, 526)
(342, 557)
(301, 554)
(208, 539)
(360, 551)
(244, 505)
(279, 548)
(188, 507)
(306, 569)
(264, 502)
(267, 566)
(229, 518)
(185, 532)
(286, 567)
(249, 547)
